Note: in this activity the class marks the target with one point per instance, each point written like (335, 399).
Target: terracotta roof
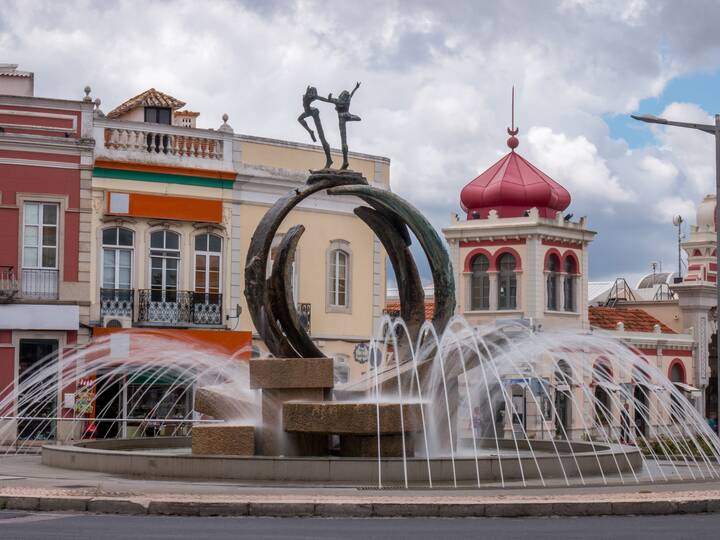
(187, 113)
(149, 98)
(392, 307)
(634, 319)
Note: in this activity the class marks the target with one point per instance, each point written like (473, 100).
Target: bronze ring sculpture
(270, 300)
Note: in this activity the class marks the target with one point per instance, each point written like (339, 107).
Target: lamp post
(713, 129)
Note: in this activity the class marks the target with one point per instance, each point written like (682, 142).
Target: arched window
(553, 268)
(339, 261)
(208, 251)
(117, 246)
(507, 282)
(677, 373)
(480, 283)
(164, 265)
(569, 284)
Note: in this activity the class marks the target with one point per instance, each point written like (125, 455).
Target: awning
(161, 377)
(689, 389)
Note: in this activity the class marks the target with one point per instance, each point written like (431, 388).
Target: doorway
(37, 388)
(108, 407)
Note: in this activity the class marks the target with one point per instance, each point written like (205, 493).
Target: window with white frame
(117, 250)
(338, 278)
(164, 265)
(40, 234)
(40, 249)
(208, 252)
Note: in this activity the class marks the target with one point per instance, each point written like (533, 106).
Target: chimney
(16, 83)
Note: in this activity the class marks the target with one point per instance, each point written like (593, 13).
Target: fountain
(445, 404)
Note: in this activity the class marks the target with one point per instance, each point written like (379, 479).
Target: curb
(108, 505)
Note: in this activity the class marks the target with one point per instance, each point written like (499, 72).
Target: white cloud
(669, 207)
(436, 84)
(576, 161)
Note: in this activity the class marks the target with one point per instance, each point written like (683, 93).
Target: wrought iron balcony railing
(179, 307)
(9, 286)
(40, 283)
(116, 302)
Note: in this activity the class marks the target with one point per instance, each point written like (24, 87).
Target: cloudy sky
(435, 96)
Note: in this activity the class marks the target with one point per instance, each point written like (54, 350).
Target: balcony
(168, 307)
(163, 144)
(9, 286)
(117, 302)
(40, 283)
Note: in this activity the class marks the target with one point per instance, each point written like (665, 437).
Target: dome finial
(513, 141)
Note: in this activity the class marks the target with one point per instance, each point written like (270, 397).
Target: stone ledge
(291, 373)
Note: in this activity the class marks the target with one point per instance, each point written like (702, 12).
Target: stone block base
(273, 441)
(367, 446)
(223, 439)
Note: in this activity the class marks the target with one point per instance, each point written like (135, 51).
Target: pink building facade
(46, 153)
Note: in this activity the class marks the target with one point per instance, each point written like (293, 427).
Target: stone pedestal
(290, 379)
(223, 439)
(357, 425)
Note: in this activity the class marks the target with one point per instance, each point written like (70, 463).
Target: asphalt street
(42, 526)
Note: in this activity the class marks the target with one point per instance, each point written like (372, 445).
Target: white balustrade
(166, 142)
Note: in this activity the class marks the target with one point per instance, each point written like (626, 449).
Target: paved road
(32, 526)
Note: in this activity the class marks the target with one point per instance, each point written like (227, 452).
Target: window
(339, 261)
(158, 115)
(117, 258)
(569, 284)
(479, 283)
(40, 235)
(40, 249)
(208, 249)
(553, 268)
(507, 282)
(677, 375)
(164, 265)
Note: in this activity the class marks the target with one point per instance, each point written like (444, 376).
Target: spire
(513, 142)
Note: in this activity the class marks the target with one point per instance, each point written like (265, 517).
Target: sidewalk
(26, 484)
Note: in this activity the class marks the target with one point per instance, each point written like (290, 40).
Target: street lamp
(713, 130)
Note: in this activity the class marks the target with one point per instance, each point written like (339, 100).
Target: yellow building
(175, 207)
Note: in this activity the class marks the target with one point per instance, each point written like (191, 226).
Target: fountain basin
(169, 457)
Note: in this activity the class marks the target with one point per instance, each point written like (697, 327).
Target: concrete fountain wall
(141, 457)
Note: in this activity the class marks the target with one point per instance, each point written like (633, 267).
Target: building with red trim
(516, 254)
(46, 155)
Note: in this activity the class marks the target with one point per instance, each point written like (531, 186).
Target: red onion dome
(513, 186)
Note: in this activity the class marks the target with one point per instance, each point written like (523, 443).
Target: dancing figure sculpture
(309, 111)
(342, 106)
